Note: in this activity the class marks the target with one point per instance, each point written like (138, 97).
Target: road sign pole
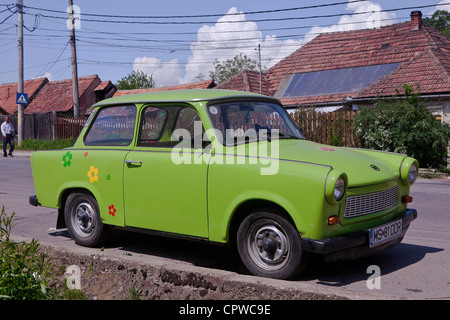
(20, 76)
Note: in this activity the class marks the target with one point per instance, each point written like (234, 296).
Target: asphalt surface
(418, 268)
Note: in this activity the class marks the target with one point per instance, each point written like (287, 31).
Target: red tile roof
(8, 93)
(208, 84)
(247, 80)
(57, 95)
(423, 54)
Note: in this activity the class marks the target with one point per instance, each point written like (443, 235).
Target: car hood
(361, 168)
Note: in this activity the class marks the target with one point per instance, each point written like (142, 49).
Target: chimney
(416, 20)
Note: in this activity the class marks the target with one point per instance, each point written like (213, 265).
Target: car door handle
(133, 163)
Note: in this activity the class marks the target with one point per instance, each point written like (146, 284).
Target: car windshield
(244, 121)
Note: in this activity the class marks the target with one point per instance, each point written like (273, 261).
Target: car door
(161, 191)
(99, 166)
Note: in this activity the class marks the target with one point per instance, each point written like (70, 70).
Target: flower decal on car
(93, 174)
(112, 210)
(67, 159)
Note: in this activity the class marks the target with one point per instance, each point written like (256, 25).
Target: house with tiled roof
(8, 92)
(353, 68)
(208, 84)
(57, 95)
(48, 96)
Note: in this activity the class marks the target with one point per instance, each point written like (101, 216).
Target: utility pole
(260, 76)
(20, 76)
(76, 97)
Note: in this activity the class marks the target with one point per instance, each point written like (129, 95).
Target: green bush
(35, 144)
(404, 126)
(23, 269)
(25, 272)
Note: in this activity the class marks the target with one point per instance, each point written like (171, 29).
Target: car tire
(270, 246)
(82, 216)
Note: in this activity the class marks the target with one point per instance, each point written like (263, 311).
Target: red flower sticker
(112, 210)
(326, 149)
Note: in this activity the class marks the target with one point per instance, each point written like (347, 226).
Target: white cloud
(164, 73)
(230, 35)
(47, 75)
(233, 34)
(365, 15)
(443, 5)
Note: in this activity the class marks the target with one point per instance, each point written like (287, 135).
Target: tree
(135, 80)
(440, 20)
(230, 67)
(404, 125)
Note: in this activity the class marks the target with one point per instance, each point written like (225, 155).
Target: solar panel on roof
(335, 81)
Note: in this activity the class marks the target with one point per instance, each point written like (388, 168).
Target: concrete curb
(106, 276)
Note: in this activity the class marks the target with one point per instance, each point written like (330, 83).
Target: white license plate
(385, 232)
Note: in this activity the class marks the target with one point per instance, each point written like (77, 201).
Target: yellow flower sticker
(92, 174)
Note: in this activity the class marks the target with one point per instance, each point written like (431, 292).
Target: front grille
(356, 206)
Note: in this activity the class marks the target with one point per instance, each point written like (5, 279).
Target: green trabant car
(230, 168)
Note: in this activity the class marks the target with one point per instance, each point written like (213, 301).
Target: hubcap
(268, 245)
(83, 218)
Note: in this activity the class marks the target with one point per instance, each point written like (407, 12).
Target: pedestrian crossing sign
(22, 98)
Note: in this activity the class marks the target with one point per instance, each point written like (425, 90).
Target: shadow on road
(207, 255)
(342, 273)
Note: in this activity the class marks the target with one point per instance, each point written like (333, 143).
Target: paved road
(419, 268)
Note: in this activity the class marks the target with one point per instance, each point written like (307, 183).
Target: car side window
(112, 126)
(164, 126)
(189, 120)
(152, 124)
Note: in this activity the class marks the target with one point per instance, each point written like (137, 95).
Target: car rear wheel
(83, 221)
(270, 246)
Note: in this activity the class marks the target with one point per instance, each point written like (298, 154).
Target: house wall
(441, 109)
(89, 97)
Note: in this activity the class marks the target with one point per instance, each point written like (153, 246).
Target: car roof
(179, 95)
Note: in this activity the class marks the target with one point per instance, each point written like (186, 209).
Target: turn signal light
(333, 220)
(407, 199)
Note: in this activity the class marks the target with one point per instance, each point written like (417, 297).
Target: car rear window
(112, 126)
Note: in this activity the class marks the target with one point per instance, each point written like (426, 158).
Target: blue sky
(178, 41)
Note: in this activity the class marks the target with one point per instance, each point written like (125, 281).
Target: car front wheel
(270, 246)
(83, 221)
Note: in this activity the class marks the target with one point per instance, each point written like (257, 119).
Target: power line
(200, 15)
(81, 36)
(239, 21)
(55, 59)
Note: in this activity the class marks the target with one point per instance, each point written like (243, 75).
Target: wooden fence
(48, 126)
(334, 128)
(68, 127)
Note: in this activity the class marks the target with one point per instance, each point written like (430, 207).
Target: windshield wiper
(282, 135)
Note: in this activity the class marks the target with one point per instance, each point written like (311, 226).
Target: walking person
(7, 131)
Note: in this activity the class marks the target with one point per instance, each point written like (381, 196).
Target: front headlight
(339, 189)
(412, 174)
(335, 186)
(409, 171)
